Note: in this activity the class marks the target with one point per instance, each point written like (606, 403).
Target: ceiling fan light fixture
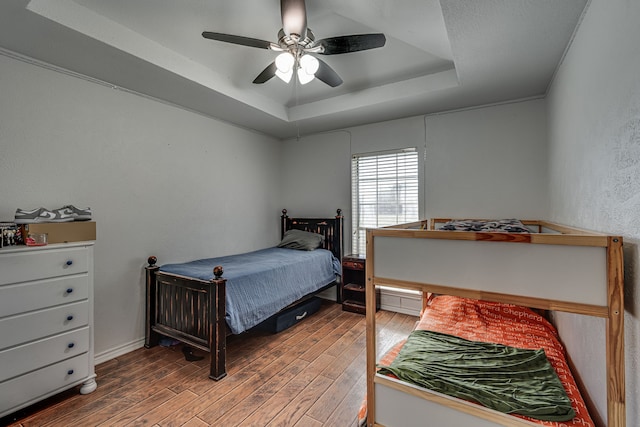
(303, 77)
(284, 66)
(284, 62)
(285, 77)
(308, 65)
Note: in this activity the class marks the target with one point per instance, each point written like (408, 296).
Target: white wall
(160, 181)
(316, 174)
(594, 169)
(485, 162)
(488, 162)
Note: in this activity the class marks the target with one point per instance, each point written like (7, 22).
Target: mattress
(493, 226)
(503, 324)
(263, 282)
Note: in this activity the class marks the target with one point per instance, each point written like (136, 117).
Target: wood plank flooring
(312, 374)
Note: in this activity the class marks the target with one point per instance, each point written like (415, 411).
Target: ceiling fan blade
(266, 74)
(294, 17)
(353, 43)
(244, 41)
(326, 74)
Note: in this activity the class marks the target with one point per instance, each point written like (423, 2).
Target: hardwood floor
(312, 374)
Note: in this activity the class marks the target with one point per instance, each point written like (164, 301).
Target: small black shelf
(354, 306)
(352, 287)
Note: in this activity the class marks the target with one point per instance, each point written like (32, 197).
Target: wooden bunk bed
(555, 268)
(194, 311)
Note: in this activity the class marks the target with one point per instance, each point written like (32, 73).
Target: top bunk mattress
(493, 226)
(263, 282)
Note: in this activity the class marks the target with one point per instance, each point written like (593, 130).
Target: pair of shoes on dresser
(66, 213)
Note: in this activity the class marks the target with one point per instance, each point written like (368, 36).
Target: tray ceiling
(439, 55)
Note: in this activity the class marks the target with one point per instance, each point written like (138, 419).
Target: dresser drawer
(26, 389)
(31, 326)
(37, 354)
(32, 296)
(355, 265)
(26, 265)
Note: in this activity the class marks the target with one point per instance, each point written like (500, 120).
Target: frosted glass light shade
(307, 70)
(284, 66)
(285, 61)
(309, 64)
(285, 77)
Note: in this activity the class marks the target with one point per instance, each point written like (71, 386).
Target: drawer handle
(69, 290)
(69, 262)
(71, 345)
(70, 317)
(70, 372)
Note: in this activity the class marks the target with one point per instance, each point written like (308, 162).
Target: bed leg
(218, 329)
(151, 337)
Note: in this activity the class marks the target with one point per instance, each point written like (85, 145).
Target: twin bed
(201, 302)
(486, 283)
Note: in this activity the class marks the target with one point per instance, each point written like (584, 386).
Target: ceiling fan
(296, 43)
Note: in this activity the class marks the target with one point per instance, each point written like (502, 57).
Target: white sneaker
(75, 213)
(40, 215)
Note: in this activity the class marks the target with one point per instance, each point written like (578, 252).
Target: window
(384, 191)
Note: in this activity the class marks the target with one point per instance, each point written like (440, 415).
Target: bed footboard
(189, 310)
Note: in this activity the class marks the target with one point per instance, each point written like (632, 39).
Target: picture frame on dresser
(46, 322)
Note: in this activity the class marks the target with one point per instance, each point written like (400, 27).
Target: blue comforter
(263, 282)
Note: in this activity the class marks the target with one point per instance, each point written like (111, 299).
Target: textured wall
(594, 164)
(488, 162)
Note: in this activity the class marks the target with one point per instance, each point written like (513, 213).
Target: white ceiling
(439, 55)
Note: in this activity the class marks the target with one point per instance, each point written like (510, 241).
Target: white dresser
(46, 322)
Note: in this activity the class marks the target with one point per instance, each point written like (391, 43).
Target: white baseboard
(118, 351)
(400, 301)
(401, 310)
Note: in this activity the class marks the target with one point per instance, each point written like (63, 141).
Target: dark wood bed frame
(193, 311)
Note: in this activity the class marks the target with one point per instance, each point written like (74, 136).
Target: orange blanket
(503, 324)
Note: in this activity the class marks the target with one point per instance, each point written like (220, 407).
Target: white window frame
(414, 179)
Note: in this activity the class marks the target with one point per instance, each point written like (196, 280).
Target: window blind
(384, 191)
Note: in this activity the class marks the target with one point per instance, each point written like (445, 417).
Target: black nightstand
(352, 286)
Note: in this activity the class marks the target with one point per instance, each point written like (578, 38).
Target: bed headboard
(330, 228)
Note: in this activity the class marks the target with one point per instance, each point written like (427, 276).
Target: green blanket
(507, 379)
